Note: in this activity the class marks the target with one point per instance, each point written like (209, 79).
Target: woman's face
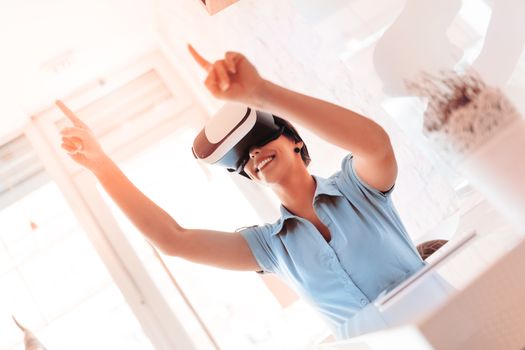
(273, 161)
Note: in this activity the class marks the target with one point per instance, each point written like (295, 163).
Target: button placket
(350, 285)
(332, 259)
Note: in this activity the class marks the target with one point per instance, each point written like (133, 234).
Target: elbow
(388, 149)
(383, 135)
(170, 243)
(166, 250)
(381, 146)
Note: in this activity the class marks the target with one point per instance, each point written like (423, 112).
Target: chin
(274, 178)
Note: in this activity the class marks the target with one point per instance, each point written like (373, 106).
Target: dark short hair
(291, 133)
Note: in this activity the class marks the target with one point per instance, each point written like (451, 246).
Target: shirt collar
(324, 186)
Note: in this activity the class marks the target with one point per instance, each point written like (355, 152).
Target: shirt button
(364, 302)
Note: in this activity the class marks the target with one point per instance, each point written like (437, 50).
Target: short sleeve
(258, 241)
(352, 179)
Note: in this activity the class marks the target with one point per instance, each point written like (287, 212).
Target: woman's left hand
(233, 78)
(80, 142)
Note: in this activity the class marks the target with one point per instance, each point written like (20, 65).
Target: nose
(254, 150)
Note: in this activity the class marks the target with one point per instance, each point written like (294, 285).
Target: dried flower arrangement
(462, 112)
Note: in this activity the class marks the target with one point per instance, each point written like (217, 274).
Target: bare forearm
(157, 225)
(335, 124)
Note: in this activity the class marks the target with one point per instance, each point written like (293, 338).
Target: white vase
(485, 141)
(497, 170)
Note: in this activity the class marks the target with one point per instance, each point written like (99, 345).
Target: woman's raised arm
(228, 250)
(234, 78)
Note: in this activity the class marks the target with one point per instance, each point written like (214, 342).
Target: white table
(472, 299)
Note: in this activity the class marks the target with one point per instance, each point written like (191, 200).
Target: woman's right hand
(233, 78)
(80, 142)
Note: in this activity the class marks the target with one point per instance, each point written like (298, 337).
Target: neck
(296, 193)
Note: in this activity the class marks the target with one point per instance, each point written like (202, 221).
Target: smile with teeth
(263, 163)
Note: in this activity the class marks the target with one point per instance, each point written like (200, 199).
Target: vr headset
(227, 138)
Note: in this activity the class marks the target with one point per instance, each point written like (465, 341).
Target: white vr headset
(227, 138)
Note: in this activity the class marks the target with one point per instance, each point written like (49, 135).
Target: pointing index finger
(69, 114)
(200, 60)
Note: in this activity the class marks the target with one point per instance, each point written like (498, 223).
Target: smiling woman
(235, 133)
(339, 242)
(223, 299)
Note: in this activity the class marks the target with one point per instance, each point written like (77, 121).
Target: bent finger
(72, 140)
(222, 75)
(234, 57)
(230, 64)
(211, 82)
(68, 141)
(68, 147)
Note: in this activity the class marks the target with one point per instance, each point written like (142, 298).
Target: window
(51, 278)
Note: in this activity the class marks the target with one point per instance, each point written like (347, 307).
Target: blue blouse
(369, 250)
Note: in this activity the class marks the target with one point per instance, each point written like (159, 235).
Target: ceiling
(50, 46)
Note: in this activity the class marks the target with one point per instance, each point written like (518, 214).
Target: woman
(339, 241)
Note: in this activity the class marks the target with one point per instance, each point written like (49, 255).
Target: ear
(299, 144)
